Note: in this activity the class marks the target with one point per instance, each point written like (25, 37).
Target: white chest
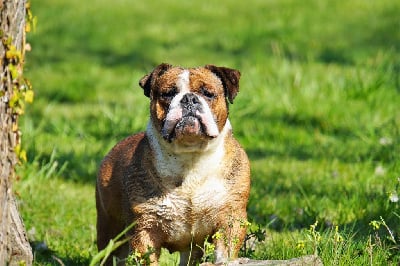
(191, 209)
(208, 195)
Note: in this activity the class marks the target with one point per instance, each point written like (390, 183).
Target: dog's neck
(174, 161)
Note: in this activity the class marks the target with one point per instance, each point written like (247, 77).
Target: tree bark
(14, 246)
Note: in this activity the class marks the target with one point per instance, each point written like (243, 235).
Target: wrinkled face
(188, 106)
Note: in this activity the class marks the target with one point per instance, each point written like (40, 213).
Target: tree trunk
(14, 246)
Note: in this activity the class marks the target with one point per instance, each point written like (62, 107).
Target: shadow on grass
(80, 168)
(43, 255)
(341, 143)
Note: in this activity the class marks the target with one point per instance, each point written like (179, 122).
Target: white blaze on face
(183, 82)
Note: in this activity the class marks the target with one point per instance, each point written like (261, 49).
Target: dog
(183, 180)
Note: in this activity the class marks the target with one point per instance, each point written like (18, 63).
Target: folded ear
(148, 80)
(230, 80)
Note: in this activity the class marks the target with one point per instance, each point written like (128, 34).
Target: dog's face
(189, 107)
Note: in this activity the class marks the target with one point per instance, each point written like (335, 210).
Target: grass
(317, 113)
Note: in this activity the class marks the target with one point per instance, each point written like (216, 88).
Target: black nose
(190, 99)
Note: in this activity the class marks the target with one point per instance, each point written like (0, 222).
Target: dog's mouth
(190, 128)
(186, 127)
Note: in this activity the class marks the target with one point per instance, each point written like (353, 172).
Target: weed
(314, 237)
(255, 235)
(138, 259)
(208, 249)
(389, 244)
(102, 256)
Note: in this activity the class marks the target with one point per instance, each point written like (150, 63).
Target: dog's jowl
(185, 178)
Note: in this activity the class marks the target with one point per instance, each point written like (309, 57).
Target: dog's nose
(190, 98)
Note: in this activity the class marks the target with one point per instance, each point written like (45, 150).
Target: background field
(318, 113)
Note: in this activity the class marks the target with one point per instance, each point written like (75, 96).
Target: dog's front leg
(221, 253)
(228, 240)
(146, 247)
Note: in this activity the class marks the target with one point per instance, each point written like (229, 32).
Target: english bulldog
(183, 181)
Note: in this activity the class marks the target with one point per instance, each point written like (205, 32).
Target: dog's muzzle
(189, 118)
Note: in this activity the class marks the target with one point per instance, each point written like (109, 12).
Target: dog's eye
(208, 94)
(168, 95)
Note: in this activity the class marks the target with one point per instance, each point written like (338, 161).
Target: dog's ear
(230, 80)
(148, 80)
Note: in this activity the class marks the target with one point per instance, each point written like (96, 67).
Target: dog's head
(190, 106)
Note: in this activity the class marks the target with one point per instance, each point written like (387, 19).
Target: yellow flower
(217, 235)
(301, 245)
(337, 237)
(375, 225)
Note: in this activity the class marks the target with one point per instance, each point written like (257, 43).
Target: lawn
(318, 114)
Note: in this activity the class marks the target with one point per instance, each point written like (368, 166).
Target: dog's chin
(189, 133)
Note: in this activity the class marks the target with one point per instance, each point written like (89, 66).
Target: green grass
(318, 113)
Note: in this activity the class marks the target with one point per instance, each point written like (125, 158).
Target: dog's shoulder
(127, 147)
(121, 155)
(236, 153)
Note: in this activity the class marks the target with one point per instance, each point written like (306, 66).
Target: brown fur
(170, 211)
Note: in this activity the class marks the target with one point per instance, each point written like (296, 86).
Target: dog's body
(186, 177)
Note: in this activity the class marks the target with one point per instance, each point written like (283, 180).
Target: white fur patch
(209, 194)
(208, 119)
(183, 82)
(220, 257)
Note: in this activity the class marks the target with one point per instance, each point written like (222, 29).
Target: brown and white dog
(186, 177)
